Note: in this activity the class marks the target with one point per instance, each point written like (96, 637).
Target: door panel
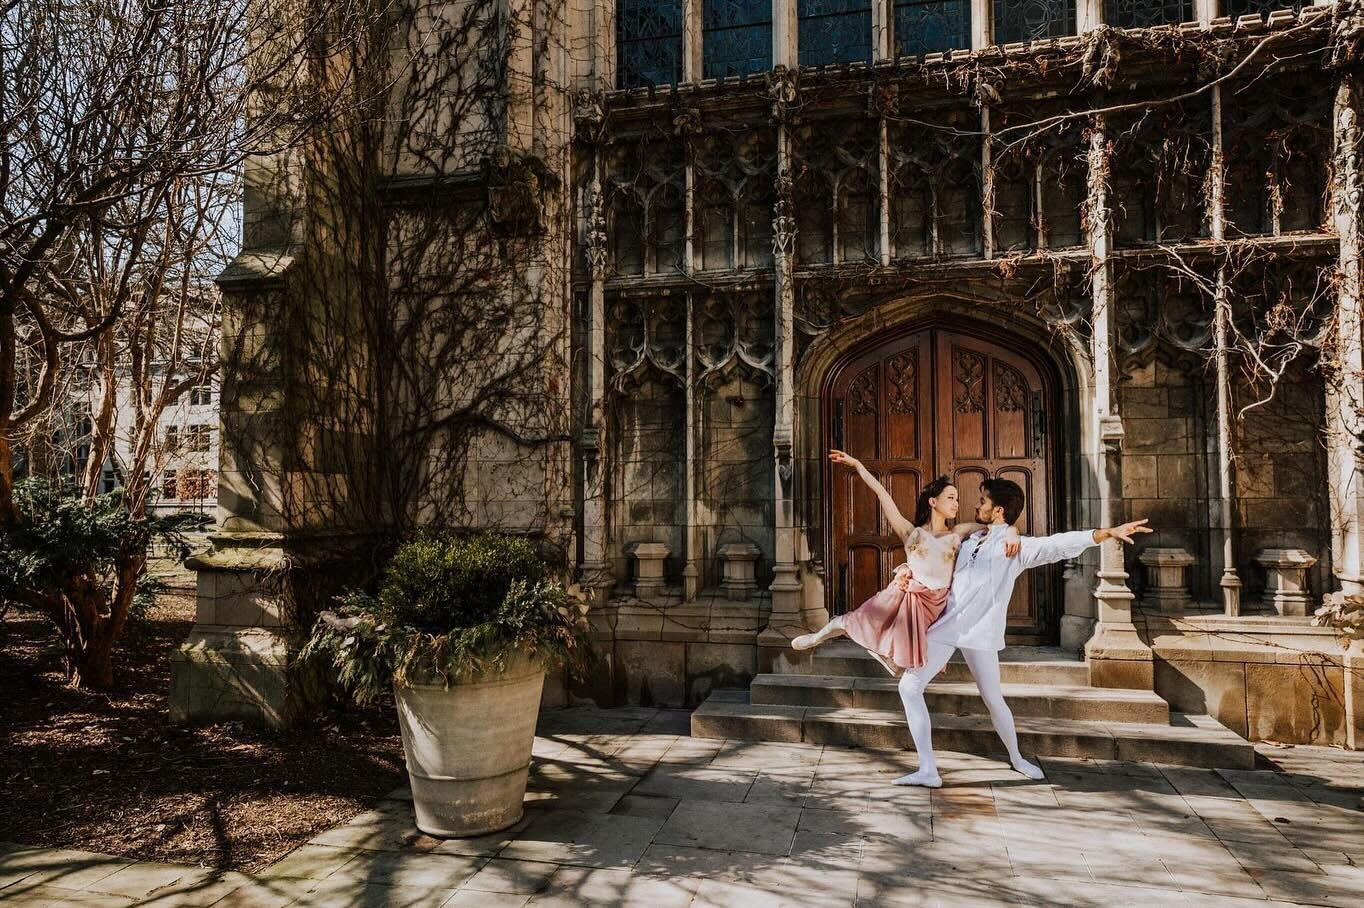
(885, 401)
(920, 406)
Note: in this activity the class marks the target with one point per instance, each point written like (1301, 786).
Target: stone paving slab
(622, 810)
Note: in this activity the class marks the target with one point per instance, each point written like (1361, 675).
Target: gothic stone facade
(952, 237)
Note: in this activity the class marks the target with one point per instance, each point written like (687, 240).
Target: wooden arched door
(922, 405)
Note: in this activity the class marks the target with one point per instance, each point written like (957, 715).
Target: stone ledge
(709, 619)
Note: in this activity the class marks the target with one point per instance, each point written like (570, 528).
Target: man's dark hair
(1005, 494)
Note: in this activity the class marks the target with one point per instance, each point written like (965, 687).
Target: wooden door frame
(1053, 385)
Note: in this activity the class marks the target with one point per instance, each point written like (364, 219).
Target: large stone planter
(468, 748)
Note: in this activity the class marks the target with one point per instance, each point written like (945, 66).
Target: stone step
(1189, 740)
(1055, 701)
(1017, 664)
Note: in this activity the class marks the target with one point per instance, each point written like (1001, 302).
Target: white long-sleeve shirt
(983, 582)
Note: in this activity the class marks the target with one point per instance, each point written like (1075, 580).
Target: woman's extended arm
(898, 523)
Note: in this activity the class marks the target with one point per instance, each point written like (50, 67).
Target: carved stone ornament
(783, 217)
(596, 233)
(589, 111)
(687, 121)
(883, 98)
(782, 88)
(514, 182)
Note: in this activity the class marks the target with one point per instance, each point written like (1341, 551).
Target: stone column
(1344, 396)
(1354, 695)
(691, 40)
(596, 573)
(1230, 581)
(1117, 656)
(786, 620)
(982, 12)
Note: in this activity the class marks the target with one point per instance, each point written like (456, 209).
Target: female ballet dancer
(892, 625)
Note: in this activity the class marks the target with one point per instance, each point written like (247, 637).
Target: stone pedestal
(737, 578)
(650, 559)
(1286, 579)
(235, 662)
(1167, 578)
(1354, 696)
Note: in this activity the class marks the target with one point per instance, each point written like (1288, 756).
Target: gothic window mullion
(935, 213)
(1038, 216)
(835, 233)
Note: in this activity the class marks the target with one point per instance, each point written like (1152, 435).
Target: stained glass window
(834, 31)
(930, 26)
(1147, 13)
(737, 38)
(1029, 20)
(1236, 8)
(648, 42)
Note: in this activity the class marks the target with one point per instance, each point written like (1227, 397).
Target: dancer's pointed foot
(928, 778)
(1031, 770)
(809, 641)
(887, 664)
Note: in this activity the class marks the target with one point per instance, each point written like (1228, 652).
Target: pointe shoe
(810, 641)
(929, 779)
(1031, 770)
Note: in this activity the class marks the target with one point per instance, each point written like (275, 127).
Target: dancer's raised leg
(912, 685)
(984, 665)
(808, 641)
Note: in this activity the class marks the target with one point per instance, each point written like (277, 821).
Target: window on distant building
(172, 438)
(931, 26)
(168, 484)
(834, 31)
(199, 436)
(737, 38)
(648, 42)
(201, 395)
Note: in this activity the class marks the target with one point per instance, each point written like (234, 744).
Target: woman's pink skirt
(894, 623)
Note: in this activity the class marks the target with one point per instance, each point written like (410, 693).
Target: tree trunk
(93, 666)
(9, 514)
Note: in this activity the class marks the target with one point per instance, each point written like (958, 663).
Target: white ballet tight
(984, 666)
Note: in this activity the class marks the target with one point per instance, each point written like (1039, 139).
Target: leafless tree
(122, 125)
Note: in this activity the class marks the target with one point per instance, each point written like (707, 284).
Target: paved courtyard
(626, 809)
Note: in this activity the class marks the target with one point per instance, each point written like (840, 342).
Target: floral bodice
(931, 559)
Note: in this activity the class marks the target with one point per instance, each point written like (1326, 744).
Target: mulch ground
(108, 772)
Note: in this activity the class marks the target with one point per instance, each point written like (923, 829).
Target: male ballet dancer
(982, 583)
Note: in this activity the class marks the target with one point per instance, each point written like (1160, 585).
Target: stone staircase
(840, 695)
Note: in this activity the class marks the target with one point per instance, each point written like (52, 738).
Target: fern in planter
(448, 606)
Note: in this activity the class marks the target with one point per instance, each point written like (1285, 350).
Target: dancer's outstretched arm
(1039, 550)
(898, 523)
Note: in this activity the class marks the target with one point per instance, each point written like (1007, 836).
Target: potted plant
(462, 629)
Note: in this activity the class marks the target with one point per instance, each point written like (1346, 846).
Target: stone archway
(985, 399)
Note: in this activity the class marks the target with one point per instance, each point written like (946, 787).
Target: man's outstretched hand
(1124, 532)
